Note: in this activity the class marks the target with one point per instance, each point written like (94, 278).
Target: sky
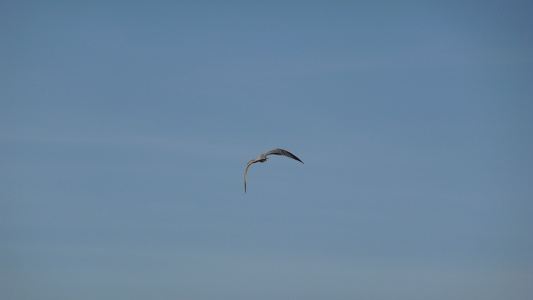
(125, 127)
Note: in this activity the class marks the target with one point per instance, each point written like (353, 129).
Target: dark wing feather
(246, 172)
(284, 153)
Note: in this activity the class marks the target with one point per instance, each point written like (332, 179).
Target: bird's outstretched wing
(246, 172)
(284, 153)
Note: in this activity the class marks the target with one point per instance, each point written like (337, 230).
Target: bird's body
(263, 157)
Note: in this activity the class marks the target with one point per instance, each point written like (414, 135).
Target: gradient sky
(125, 127)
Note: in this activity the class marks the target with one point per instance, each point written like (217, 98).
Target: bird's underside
(263, 157)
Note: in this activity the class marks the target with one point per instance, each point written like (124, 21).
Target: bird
(263, 157)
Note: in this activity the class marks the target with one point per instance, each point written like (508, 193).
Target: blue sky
(125, 127)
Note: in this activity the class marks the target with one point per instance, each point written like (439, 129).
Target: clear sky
(125, 127)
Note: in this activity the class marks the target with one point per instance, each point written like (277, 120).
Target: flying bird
(263, 157)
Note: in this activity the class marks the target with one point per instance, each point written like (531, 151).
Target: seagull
(263, 157)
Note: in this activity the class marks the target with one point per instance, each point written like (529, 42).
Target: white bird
(263, 157)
